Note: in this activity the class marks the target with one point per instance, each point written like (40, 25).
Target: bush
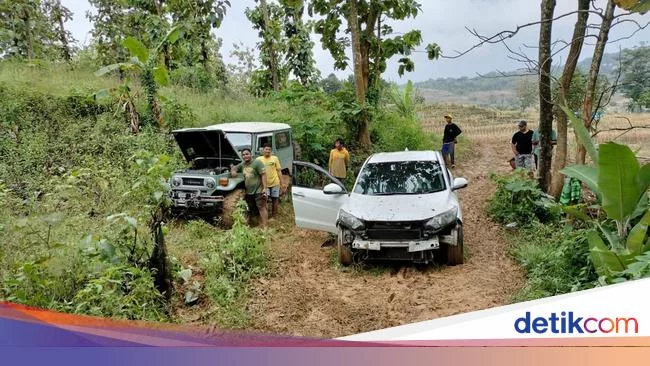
(241, 255)
(556, 261)
(518, 199)
(197, 77)
(121, 292)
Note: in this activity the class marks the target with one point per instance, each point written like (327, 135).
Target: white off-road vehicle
(403, 206)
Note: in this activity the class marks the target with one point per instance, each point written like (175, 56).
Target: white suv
(403, 207)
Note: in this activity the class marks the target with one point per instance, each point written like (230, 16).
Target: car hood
(201, 143)
(399, 207)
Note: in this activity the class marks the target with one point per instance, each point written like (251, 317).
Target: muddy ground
(310, 295)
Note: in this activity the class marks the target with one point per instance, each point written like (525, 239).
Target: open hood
(201, 143)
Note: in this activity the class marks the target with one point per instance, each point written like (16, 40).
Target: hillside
(498, 90)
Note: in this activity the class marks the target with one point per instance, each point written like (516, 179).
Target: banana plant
(621, 185)
(148, 65)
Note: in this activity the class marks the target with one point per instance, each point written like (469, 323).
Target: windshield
(239, 139)
(403, 177)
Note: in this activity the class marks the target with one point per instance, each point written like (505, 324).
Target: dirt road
(309, 295)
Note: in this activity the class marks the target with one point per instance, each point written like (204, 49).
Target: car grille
(193, 181)
(405, 230)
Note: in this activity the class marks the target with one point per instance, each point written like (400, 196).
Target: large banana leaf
(136, 48)
(637, 234)
(108, 68)
(644, 177)
(605, 261)
(618, 181)
(160, 75)
(586, 174)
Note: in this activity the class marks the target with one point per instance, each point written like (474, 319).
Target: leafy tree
(635, 69)
(33, 29)
(268, 20)
(109, 30)
(299, 51)
(58, 15)
(526, 91)
(331, 84)
(146, 63)
(371, 43)
(202, 16)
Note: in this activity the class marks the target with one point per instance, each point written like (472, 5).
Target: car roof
(386, 157)
(251, 127)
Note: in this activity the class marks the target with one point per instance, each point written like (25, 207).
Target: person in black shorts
(522, 146)
(452, 131)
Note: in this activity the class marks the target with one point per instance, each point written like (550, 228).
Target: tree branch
(503, 35)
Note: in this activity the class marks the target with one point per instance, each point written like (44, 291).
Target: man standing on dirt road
(273, 177)
(256, 186)
(452, 131)
(522, 146)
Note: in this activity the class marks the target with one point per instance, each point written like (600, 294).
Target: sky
(441, 21)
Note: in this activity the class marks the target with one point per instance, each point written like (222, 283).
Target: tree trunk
(204, 54)
(65, 47)
(587, 109)
(273, 61)
(545, 96)
(360, 83)
(577, 40)
(159, 261)
(167, 57)
(28, 35)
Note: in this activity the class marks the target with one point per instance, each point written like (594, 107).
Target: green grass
(67, 155)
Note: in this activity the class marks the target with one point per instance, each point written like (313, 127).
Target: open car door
(317, 197)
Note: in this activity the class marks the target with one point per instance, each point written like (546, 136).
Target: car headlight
(439, 221)
(176, 181)
(350, 221)
(210, 183)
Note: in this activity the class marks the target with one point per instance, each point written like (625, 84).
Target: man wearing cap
(449, 140)
(522, 146)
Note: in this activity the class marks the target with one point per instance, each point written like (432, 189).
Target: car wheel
(455, 252)
(345, 253)
(229, 207)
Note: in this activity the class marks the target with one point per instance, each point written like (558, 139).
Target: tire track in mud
(308, 295)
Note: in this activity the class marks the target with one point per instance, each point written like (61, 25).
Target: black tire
(229, 207)
(297, 151)
(455, 252)
(345, 253)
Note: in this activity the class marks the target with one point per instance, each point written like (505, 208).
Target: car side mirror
(333, 188)
(459, 183)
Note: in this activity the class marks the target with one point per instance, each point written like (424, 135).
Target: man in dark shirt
(522, 146)
(449, 140)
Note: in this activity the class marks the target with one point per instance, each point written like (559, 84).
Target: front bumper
(410, 246)
(396, 248)
(193, 200)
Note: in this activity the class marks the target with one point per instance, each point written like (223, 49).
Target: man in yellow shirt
(273, 176)
(339, 160)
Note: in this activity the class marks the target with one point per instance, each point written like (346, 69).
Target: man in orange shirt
(339, 160)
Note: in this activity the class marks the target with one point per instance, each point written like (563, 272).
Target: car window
(239, 139)
(402, 177)
(263, 140)
(308, 177)
(282, 140)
